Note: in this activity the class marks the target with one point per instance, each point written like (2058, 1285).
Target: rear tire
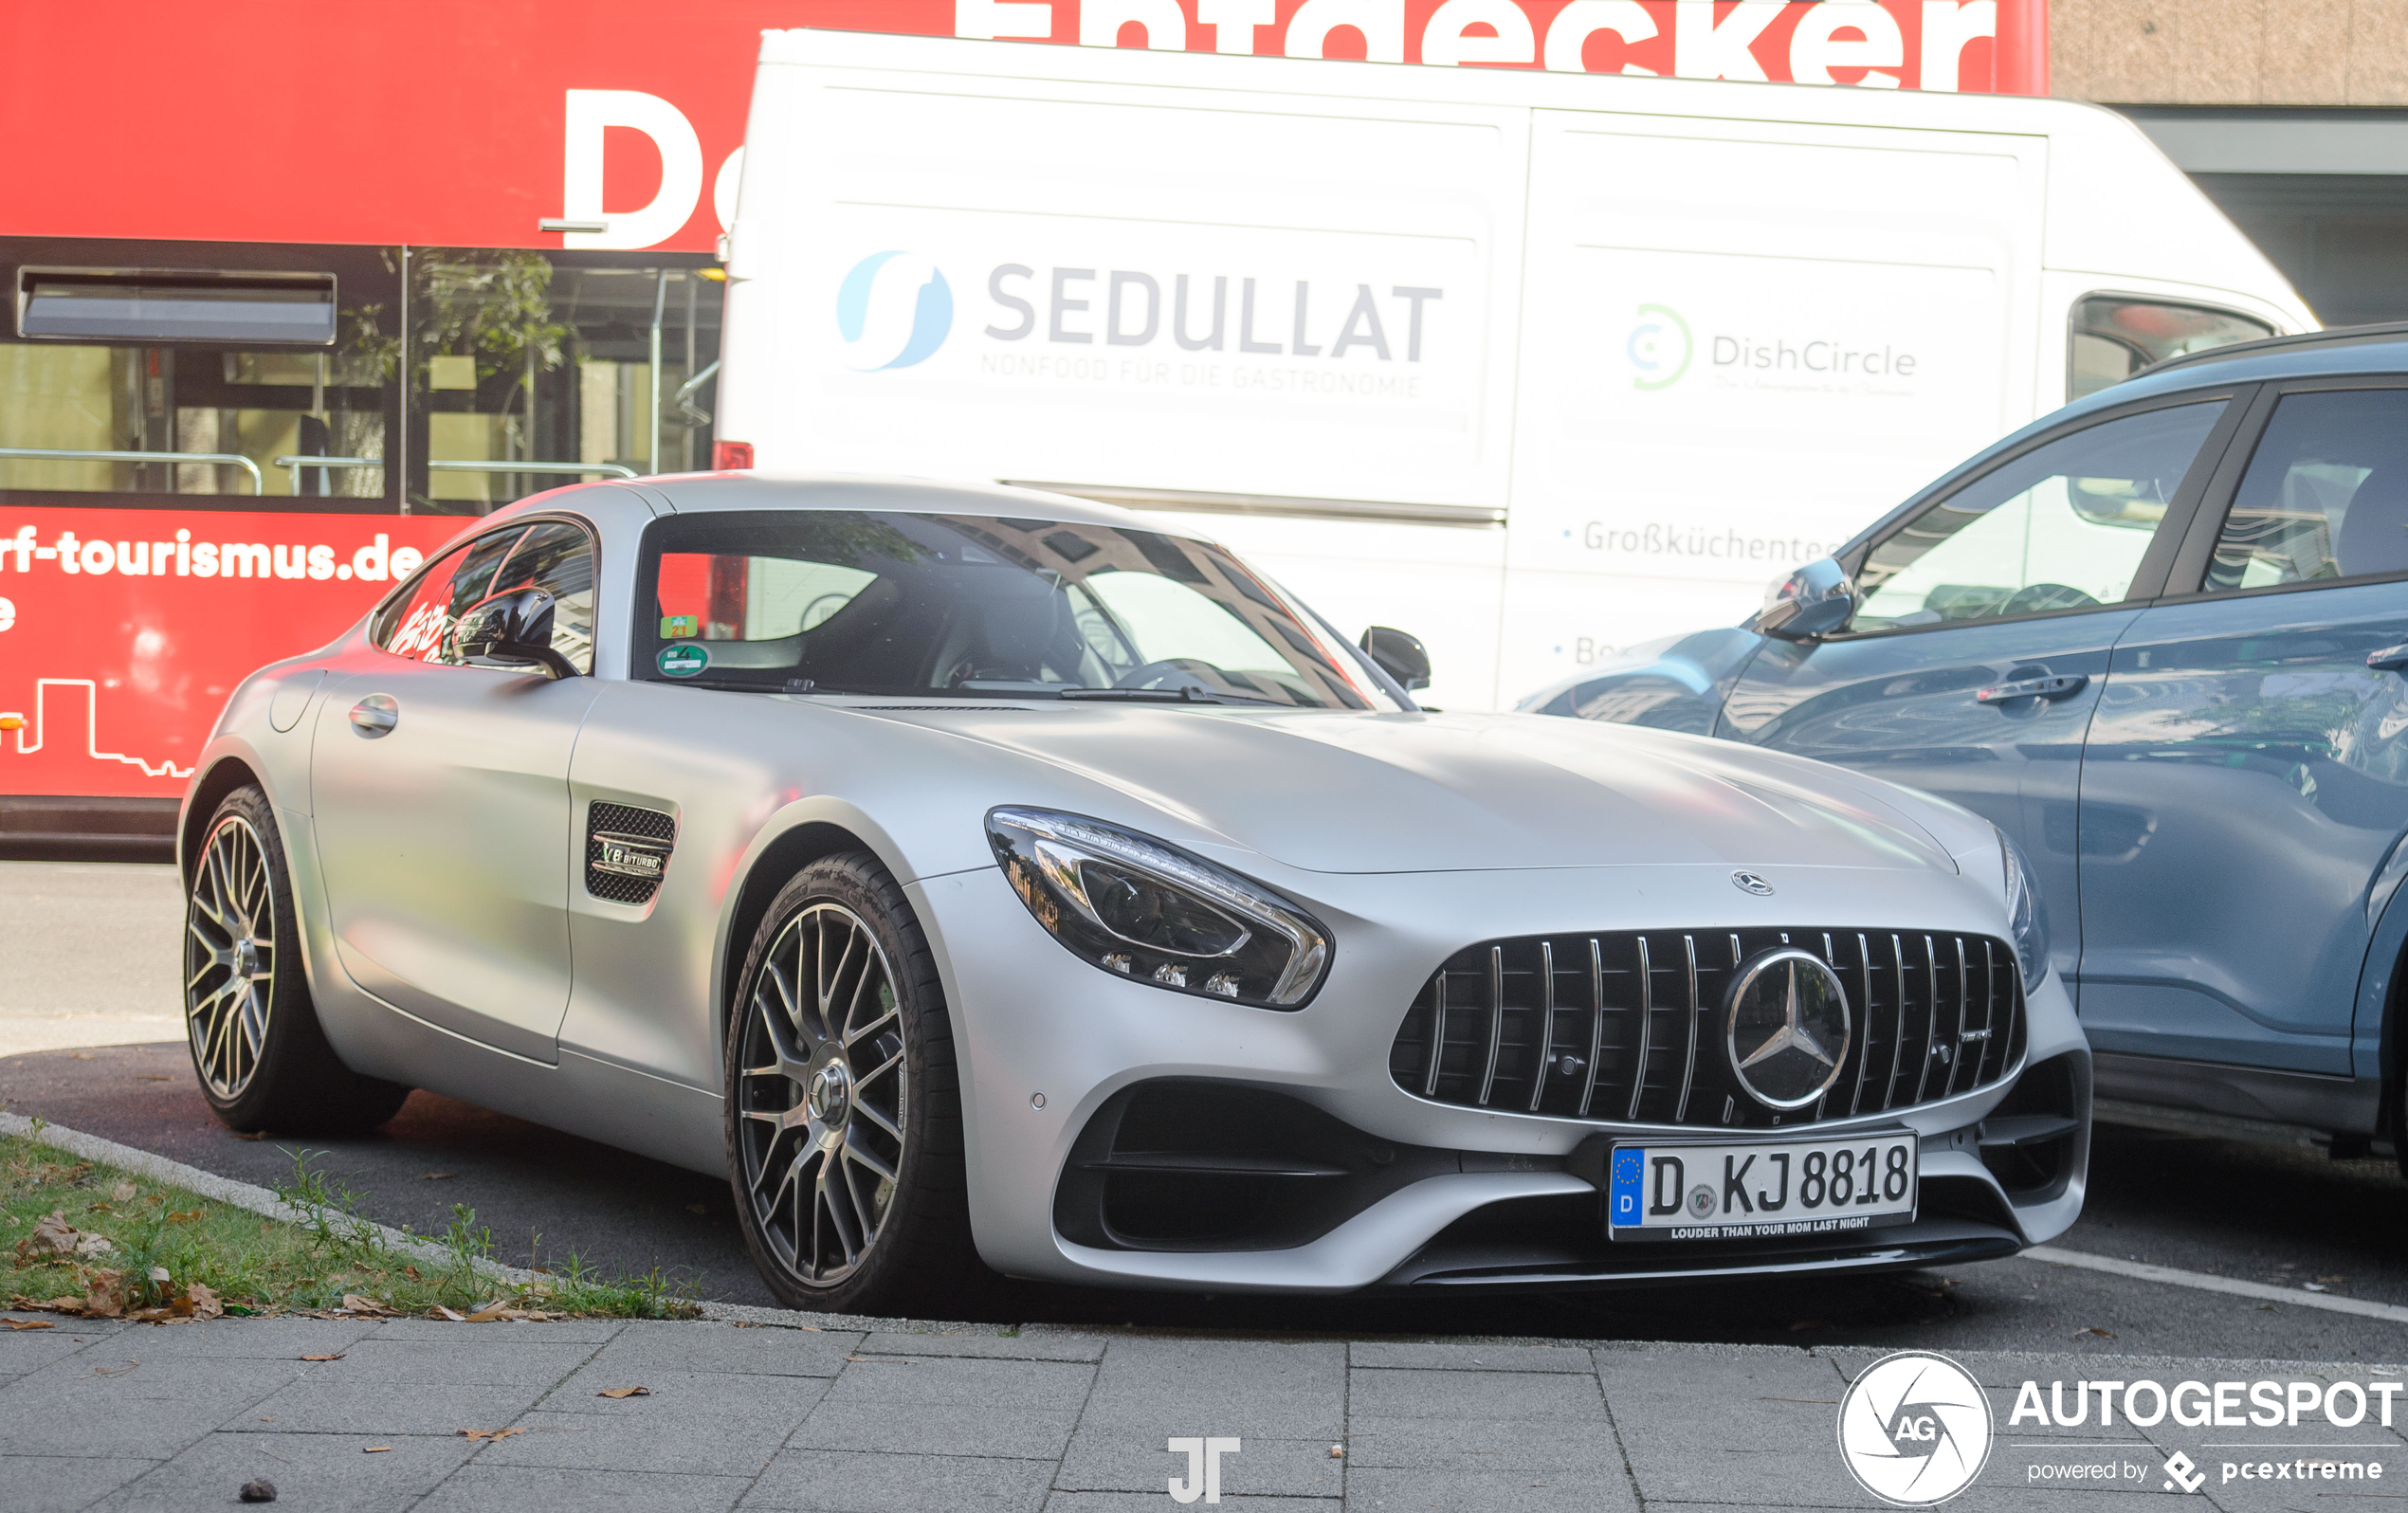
(262, 1058)
(843, 1107)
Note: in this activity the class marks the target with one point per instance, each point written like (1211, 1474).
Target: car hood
(1337, 791)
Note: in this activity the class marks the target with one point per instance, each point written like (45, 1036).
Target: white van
(1532, 365)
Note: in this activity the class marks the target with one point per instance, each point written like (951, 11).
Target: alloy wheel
(823, 1094)
(229, 958)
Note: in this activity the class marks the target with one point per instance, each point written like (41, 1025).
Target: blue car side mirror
(1813, 601)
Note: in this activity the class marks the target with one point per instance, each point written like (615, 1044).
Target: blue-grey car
(2160, 639)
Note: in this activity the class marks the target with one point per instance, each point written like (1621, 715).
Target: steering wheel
(2035, 598)
(1184, 672)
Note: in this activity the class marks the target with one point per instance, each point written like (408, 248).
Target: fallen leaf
(437, 1176)
(2094, 1329)
(204, 1304)
(28, 1324)
(122, 1192)
(187, 1216)
(52, 1236)
(439, 1311)
(411, 1272)
(103, 1371)
(99, 1296)
(625, 1391)
(481, 1435)
(370, 1307)
(337, 1355)
(89, 1246)
(159, 1274)
(2314, 1286)
(375, 1450)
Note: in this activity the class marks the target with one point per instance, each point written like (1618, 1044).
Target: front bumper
(1047, 1042)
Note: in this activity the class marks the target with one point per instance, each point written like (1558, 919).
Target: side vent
(627, 851)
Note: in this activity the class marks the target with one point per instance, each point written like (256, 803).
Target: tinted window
(419, 622)
(970, 606)
(2061, 527)
(2326, 494)
(557, 556)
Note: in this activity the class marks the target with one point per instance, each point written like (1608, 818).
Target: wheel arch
(785, 855)
(224, 776)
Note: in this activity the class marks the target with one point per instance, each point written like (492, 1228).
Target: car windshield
(841, 601)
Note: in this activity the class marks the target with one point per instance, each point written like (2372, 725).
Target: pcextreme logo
(1914, 1429)
(894, 309)
(1659, 347)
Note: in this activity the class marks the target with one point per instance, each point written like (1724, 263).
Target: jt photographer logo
(1914, 1429)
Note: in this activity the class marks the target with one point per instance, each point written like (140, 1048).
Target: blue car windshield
(861, 602)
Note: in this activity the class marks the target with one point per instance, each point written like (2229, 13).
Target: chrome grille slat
(1496, 1023)
(1647, 1019)
(1496, 1030)
(1596, 1022)
(1545, 1050)
(1696, 1010)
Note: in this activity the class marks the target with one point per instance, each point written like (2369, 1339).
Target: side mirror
(1401, 656)
(513, 630)
(1813, 601)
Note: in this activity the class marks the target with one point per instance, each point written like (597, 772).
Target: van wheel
(843, 1109)
(262, 1058)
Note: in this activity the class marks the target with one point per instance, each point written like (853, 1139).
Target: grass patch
(121, 1242)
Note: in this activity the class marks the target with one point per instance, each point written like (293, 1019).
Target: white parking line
(2206, 1282)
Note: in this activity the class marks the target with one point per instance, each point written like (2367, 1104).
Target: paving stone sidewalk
(971, 1418)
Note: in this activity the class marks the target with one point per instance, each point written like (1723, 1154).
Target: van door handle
(2390, 658)
(375, 716)
(2057, 687)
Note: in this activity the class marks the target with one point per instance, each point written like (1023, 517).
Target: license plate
(1678, 1191)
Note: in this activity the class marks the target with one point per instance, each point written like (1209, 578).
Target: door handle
(2057, 687)
(2390, 658)
(375, 716)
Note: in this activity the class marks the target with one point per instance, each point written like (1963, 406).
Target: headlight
(2027, 917)
(1132, 905)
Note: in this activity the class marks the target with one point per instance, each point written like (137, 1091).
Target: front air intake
(1628, 1027)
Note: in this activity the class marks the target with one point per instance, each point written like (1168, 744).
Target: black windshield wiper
(1162, 696)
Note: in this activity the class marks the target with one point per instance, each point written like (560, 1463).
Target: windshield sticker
(675, 627)
(683, 660)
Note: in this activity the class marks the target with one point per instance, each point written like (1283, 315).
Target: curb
(261, 1201)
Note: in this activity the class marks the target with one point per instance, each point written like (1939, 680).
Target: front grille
(1629, 1026)
(646, 829)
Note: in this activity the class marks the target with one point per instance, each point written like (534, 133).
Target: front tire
(262, 1058)
(844, 1110)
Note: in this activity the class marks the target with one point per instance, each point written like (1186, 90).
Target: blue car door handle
(2057, 687)
(2390, 658)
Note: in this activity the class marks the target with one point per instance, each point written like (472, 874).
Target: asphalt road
(2201, 1202)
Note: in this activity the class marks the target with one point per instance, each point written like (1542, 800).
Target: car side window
(557, 556)
(419, 623)
(2326, 496)
(2061, 527)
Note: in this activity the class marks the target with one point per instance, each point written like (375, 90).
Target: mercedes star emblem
(1787, 1027)
(1750, 882)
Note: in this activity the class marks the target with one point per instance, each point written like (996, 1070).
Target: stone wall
(2231, 52)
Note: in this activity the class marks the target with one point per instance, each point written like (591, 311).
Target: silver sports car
(983, 879)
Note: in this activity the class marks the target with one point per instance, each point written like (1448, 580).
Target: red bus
(296, 289)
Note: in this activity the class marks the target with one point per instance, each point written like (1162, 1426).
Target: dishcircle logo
(1659, 346)
(1914, 1429)
(894, 309)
